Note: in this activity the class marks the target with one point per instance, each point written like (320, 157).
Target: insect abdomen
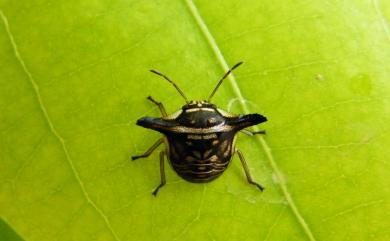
(200, 170)
(200, 159)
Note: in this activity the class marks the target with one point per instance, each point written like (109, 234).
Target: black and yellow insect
(199, 138)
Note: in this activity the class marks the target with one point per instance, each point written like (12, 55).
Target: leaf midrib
(237, 91)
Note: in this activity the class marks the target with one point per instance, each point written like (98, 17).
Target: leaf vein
(289, 67)
(51, 126)
(274, 224)
(221, 59)
(317, 110)
(197, 217)
(382, 18)
(352, 209)
(294, 21)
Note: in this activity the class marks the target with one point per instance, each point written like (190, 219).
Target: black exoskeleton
(199, 138)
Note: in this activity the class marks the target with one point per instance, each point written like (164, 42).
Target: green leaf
(7, 234)
(73, 81)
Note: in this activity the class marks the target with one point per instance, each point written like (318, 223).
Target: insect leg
(162, 173)
(253, 133)
(150, 150)
(246, 169)
(159, 104)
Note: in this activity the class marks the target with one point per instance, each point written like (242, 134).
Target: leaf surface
(74, 77)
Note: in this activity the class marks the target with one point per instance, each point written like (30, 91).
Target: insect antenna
(221, 80)
(170, 81)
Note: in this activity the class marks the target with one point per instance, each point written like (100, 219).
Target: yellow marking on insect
(203, 175)
(223, 145)
(213, 158)
(192, 110)
(199, 109)
(190, 159)
(210, 136)
(215, 142)
(183, 129)
(194, 137)
(207, 153)
(227, 151)
(197, 154)
(202, 137)
(189, 143)
(211, 120)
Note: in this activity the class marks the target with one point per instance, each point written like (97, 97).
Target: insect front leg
(160, 106)
(246, 169)
(150, 150)
(253, 133)
(162, 173)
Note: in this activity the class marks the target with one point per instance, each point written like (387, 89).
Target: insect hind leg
(159, 104)
(246, 169)
(162, 174)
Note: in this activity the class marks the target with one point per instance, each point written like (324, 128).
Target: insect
(199, 138)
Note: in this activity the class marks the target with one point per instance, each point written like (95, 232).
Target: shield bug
(199, 138)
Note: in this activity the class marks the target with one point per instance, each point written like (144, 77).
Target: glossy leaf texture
(74, 79)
